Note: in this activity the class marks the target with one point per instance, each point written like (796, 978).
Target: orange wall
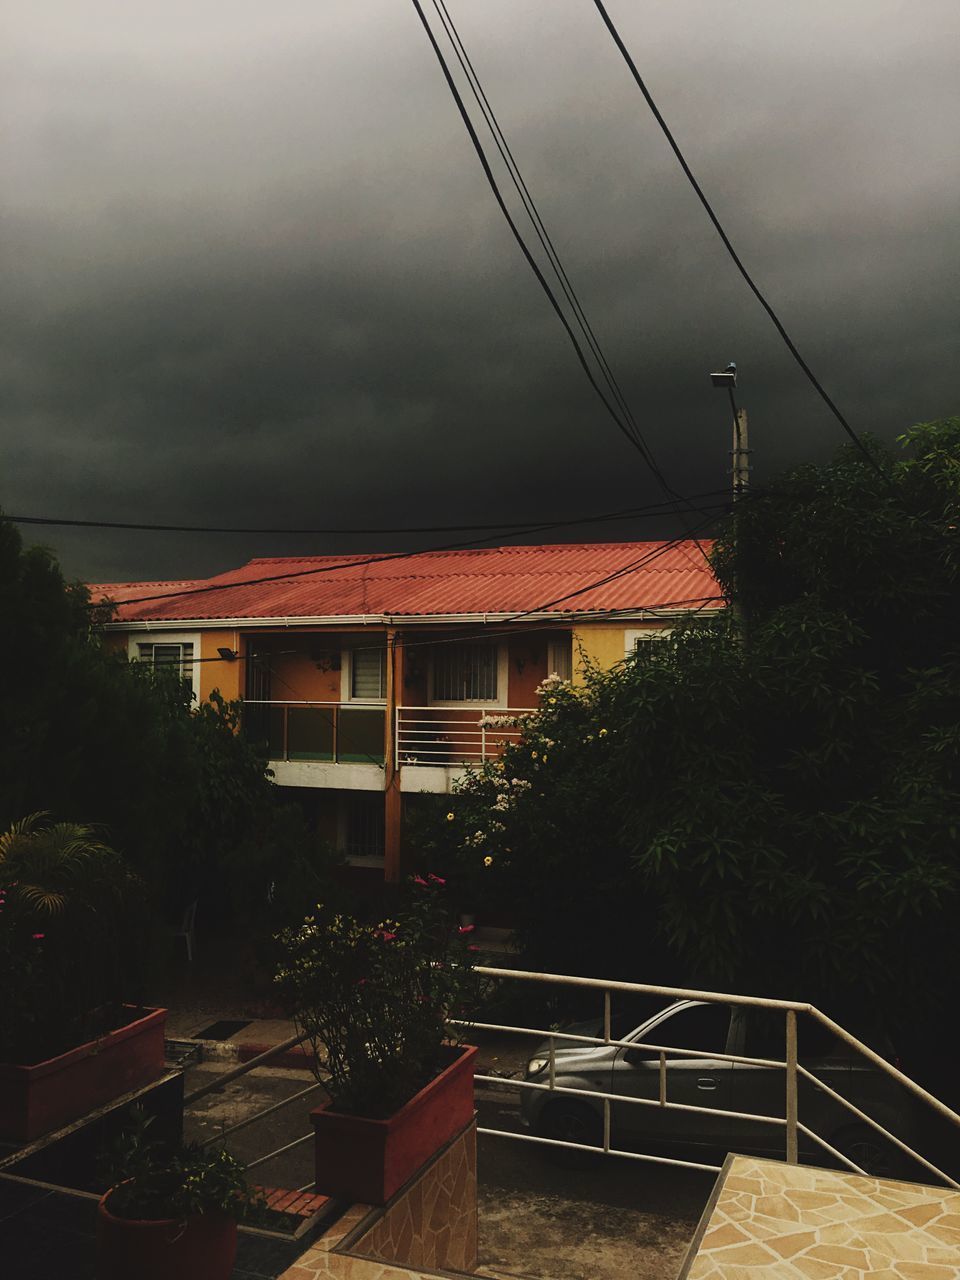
(296, 677)
(528, 652)
(215, 672)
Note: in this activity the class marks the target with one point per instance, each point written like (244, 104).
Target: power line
(754, 288)
(622, 427)
(628, 428)
(653, 508)
(543, 235)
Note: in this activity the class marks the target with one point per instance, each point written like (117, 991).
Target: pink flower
(466, 928)
(387, 937)
(37, 936)
(419, 880)
(473, 948)
(436, 879)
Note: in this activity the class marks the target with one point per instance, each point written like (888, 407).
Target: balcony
(340, 745)
(453, 737)
(322, 732)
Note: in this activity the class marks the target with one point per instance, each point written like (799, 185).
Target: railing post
(286, 732)
(791, 1086)
(483, 734)
(336, 731)
(663, 1078)
(553, 1064)
(606, 1016)
(606, 1124)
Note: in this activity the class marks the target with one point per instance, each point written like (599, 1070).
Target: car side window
(766, 1036)
(702, 1027)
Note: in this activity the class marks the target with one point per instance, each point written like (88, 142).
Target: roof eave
(638, 613)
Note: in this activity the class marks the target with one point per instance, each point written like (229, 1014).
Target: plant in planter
(373, 999)
(169, 1212)
(71, 949)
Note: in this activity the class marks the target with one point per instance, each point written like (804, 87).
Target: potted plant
(373, 999)
(170, 1212)
(71, 945)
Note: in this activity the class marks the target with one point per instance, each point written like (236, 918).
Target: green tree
(777, 804)
(91, 737)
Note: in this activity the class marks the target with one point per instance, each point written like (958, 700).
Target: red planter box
(34, 1100)
(368, 1161)
(202, 1248)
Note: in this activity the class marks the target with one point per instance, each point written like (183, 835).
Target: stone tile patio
(772, 1221)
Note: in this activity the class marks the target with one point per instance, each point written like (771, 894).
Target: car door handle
(706, 1082)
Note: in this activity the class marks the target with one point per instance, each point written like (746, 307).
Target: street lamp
(727, 378)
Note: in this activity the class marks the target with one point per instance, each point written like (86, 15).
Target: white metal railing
(331, 732)
(790, 1121)
(455, 735)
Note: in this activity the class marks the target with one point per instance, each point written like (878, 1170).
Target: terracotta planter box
(368, 1161)
(34, 1100)
(202, 1248)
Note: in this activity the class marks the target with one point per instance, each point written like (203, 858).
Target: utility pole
(740, 471)
(741, 450)
(740, 453)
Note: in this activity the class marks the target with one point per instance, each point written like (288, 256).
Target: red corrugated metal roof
(562, 578)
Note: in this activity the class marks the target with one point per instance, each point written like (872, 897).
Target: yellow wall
(604, 644)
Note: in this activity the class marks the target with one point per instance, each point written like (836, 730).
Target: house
(373, 679)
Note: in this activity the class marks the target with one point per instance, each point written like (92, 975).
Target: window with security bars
(364, 826)
(168, 657)
(368, 673)
(465, 673)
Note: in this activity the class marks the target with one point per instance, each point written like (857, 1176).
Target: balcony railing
(331, 732)
(455, 735)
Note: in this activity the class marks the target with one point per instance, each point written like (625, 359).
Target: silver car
(720, 1085)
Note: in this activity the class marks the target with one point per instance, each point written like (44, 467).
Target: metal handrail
(462, 728)
(792, 1068)
(236, 1072)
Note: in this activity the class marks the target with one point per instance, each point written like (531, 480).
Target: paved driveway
(619, 1219)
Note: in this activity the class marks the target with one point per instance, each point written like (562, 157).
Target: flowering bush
(373, 999)
(69, 941)
(535, 837)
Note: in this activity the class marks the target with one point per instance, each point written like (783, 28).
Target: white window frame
(553, 646)
(503, 678)
(346, 681)
(630, 638)
(137, 638)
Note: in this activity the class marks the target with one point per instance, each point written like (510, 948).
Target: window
(168, 657)
(632, 639)
(363, 828)
(465, 673)
(368, 673)
(560, 657)
(176, 651)
(702, 1027)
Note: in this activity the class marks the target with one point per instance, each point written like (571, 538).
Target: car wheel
(868, 1149)
(568, 1121)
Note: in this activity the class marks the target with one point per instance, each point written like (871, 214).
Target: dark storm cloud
(253, 274)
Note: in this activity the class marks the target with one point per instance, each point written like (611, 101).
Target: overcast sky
(252, 273)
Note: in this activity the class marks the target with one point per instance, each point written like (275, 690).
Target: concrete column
(393, 807)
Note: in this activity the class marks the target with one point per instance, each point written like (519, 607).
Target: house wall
(527, 668)
(601, 644)
(215, 672)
